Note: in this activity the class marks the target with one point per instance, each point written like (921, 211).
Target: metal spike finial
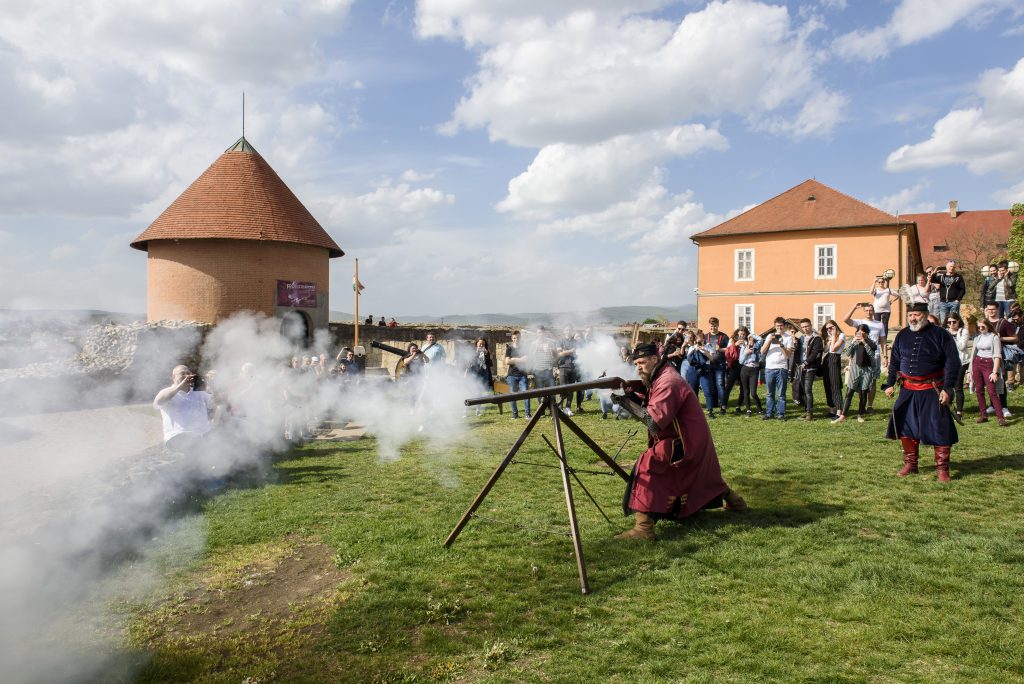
(243, 115)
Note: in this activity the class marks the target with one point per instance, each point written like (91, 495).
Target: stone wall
(454, 340)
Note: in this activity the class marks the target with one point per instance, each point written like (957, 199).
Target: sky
(500, 156)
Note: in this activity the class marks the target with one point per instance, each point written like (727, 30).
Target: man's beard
(645, 377)
(916, 327)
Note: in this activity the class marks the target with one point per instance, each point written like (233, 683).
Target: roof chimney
(953, 209)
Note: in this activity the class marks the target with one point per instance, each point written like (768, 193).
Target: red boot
(942, 462)
(910, 453)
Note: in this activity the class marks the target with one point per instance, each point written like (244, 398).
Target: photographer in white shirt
(185, 411)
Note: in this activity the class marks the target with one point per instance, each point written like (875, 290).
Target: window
(822, 313)
(744, 264)
(745, 316)
(940, 248)
(825, 261)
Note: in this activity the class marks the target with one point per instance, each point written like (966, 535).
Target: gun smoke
(96, 501)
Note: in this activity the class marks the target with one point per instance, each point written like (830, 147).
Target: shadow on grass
(987, 465)
(774, 504)
(306, 474)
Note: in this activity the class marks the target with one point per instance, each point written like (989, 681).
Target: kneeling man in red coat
(678, 475)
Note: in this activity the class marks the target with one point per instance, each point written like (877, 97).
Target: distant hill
(88, 316)
(610, 314)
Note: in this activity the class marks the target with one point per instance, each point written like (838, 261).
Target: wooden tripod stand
(558, 418)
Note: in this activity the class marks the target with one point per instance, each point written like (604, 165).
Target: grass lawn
(841, 572)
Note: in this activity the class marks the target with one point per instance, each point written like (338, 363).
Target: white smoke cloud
(96, 487)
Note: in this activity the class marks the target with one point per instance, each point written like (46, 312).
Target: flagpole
(355, 287)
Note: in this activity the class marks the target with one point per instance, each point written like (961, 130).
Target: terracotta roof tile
(239, 197)
(937, 229)
(807, 206)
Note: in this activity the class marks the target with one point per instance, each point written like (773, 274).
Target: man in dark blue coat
(925, 363)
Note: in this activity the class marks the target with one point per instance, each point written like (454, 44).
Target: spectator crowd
(753, 373)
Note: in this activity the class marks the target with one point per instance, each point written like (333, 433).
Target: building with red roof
(978, 236)
(238, 239)
(811, 252)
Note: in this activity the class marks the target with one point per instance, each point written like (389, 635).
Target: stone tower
(238, 239)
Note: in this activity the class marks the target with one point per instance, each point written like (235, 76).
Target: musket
(600, 383)
(388, 348)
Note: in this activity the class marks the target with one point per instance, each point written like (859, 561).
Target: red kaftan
(658, 481)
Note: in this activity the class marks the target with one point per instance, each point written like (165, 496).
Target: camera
(199, 383)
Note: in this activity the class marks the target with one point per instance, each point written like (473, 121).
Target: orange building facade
(810, 252)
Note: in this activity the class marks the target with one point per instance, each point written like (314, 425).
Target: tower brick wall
(209, 279)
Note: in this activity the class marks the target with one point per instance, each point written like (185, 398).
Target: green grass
(841, 572)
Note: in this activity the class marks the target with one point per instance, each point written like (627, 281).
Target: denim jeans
(1004, 309)
(706, 377)
(946, 308)
(775, 404)
(690, 374)
(719, 376)
(607, 405)
(518, 383)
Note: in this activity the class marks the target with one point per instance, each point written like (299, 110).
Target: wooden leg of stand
(585, 438)
(494, 477)
(574, 528)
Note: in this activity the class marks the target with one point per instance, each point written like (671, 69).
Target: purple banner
(296, 294)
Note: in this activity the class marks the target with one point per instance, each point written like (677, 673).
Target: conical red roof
(240, 198)
(807, 206)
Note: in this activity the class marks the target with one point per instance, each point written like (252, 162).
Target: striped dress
(832, 373)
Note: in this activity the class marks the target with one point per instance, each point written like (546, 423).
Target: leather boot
(942, 462)
(734, 502)
(910, 453)
(643, 529)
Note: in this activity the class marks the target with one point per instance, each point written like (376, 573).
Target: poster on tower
(297, 294)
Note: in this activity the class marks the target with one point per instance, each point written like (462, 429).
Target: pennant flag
(357, 286)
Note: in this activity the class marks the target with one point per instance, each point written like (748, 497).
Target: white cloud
(374, 217)
(413, 176)
(913, 21)
(478, 23)
(821, 113)
(651, 220)
(55, 272)
(63, 251)
(460, 271)
(570, 177)
(905, 201)
(984, 138)
(565, 76)
(1010, 196)
(108, 104)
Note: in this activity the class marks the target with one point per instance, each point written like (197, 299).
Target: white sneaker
(991, 410)
(1006, 413)
(568, 412)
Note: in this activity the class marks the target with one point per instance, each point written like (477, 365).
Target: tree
(1016, 244)
(971, 251)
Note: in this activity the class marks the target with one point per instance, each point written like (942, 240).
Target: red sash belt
(921, 382)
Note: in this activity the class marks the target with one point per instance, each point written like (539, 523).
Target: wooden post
(355, 286)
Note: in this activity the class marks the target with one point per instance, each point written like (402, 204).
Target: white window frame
(819, 321)
(736, 265)
(835, 262)
(736, 316)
